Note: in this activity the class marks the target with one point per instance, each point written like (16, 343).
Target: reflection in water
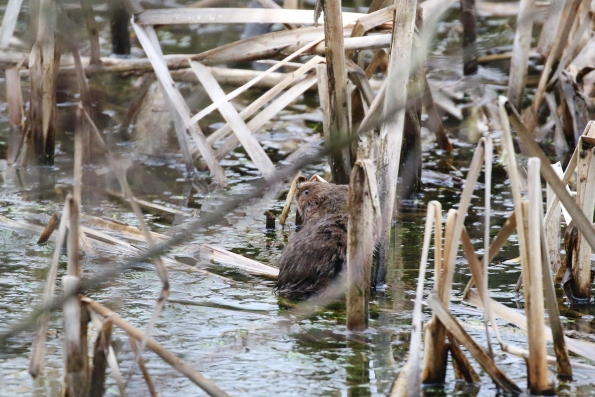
(358, 372)
(229, 328)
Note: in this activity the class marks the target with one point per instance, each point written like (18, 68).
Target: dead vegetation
(372, 137)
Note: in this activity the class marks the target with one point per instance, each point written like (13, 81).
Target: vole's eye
(306, 192)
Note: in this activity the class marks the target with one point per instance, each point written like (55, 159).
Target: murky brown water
(231, 327)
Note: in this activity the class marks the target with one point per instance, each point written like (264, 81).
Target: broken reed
(538, 280)
(150, 32)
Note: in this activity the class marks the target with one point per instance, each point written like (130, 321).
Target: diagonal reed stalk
(196, 377)
(38, 347)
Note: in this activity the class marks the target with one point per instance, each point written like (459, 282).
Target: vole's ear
(317, 178)
(301, 179)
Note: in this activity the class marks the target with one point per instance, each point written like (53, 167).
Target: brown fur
(316, 254)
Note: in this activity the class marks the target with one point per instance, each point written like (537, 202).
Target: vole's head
(316, 199)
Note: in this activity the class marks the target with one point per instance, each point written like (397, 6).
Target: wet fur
(316, 254)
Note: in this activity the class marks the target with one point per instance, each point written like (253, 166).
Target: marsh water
(225, 323)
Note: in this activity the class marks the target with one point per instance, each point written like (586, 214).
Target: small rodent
(317, 253)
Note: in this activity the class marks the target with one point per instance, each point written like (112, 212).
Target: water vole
(316, 254)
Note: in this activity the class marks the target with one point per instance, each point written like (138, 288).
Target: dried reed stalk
(38, 346)
(511, 167)
(520, 52)
(196, 377)
(339, 128)
(411, 163)
(73, 238)
(122, 229)
(585, 199)
(372, 42)
(234, 15)
(76, 362)
(400, 386)
(160, 268)
(579, 218)
(582, 348)
(273, 108)
(372, 20)
(266, 97)
(574, 47)
(79, 145)
(551, 301)
(568, 174)
(375, 114)
(146, 205)
(9, 21)
(92, 30)
(82, 142)
(44, 62)
(272, 5)
(231, 77)
(247, 264)
(50, 227)
(435, 369)
(433, 220)
(324, 95)
(450, 252)
(552, 228)
(148, 38)
(391, 132)
(363, 218)
(487, 143)
(100, 354)
(265, 46)
(434, 366)
(242, 131)
(14, 102)
(434, 120)
(109, 354)
(463, 369)
(533, 280)
(143, 367)
(249, 84)
(289, 199)
(501, 238)
(562, 32)
(14, 98)
(478, 352)
(549, 29)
